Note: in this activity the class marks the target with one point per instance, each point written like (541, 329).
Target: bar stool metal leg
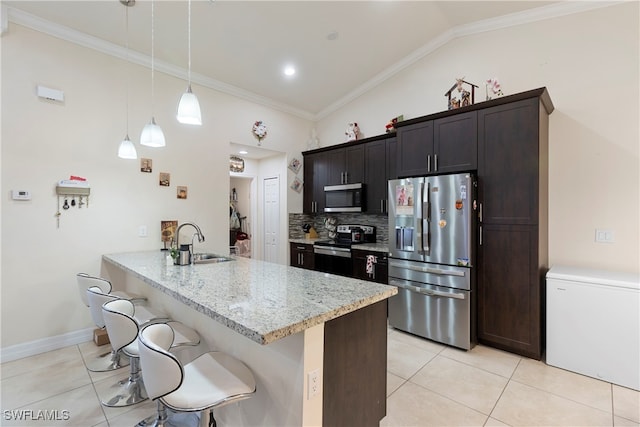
(109, 361)
(128, 391)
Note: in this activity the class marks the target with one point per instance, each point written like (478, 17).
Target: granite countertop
(373, 247)
(260, 300)
(304, 241)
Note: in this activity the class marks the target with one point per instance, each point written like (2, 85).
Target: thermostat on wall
(21, 195)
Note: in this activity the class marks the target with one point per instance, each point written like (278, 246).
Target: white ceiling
(242, 46)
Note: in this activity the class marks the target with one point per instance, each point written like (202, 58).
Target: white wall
(589, 63)
(43, 142)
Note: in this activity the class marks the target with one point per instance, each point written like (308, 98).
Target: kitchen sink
(205, 258)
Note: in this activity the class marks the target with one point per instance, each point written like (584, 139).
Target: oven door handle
(427, 292)
(326, 250)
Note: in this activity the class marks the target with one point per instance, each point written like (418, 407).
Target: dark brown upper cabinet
(379, 167)
(439, 146)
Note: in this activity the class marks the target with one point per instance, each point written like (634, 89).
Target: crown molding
(513, 19)
(533, 15)
(33, 22)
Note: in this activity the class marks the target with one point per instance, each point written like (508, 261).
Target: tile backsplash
(297, 220)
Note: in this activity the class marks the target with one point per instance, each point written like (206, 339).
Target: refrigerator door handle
(426, 229)
(426, 292)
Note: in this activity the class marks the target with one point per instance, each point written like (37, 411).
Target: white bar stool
(122, 327)
(108, 361)
(211, 380)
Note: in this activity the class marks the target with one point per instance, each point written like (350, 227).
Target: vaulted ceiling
(339, 48)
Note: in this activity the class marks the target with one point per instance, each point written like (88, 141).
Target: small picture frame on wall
(182, 192)
(167, 231)
(146, 165)
(165, 179)
(295, 165)
(296, 185)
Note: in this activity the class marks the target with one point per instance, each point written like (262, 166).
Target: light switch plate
(604, 236)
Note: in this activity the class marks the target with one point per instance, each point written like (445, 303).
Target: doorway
(241, 215)
(266, 221)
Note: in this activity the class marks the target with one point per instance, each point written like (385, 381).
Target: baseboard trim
(31, 348)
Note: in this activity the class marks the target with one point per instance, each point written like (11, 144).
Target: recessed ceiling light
(243, 152)
(289, 70)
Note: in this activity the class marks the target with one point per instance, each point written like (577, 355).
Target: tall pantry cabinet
(513, 223)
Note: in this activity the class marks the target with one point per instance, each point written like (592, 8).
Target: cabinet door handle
(381, 205)
(428, 162)
(480, 235)
(480, 213)
(435, 162)
(302, 248)
(301, 259)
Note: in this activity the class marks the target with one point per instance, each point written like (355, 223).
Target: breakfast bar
(315, 342)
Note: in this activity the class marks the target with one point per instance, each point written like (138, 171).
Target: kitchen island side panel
(355, 368)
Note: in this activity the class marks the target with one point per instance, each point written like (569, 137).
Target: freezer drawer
(592, 324)
(432, 274)
(434, 312)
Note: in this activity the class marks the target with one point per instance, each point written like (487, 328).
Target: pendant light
(189, 107)
(127, 150)
(152, 135)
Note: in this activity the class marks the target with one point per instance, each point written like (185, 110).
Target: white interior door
(271, 210)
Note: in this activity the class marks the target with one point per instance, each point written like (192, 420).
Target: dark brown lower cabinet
(302, 255)
(355, 368)
(380, 273)
(510, 289)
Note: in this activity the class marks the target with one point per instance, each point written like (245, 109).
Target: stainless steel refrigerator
(432, 236)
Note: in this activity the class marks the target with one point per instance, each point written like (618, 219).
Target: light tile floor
(429, 384)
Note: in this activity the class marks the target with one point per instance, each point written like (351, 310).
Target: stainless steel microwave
(344, 198)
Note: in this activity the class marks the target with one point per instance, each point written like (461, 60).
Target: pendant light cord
(152, 55)
(127, 65)
(189, 41)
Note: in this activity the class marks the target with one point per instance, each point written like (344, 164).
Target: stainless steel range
(334, 256)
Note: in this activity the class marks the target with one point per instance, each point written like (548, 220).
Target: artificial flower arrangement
(493, 86)
(391, 126)
(259, 130)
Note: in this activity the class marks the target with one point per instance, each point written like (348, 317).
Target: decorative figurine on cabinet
(352, 133)
(459, 96)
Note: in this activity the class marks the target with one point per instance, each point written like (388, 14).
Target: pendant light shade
(152, 135)
(127, 150)
(189, 109)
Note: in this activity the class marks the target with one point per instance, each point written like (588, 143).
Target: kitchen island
(287, 324)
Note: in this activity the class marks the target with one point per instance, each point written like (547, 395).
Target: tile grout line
(95, 391)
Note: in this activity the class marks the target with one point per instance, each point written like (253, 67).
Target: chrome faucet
(200, 239)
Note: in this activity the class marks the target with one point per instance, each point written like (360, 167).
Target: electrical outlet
(142, 231)
(313, 384)
(604, 236)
